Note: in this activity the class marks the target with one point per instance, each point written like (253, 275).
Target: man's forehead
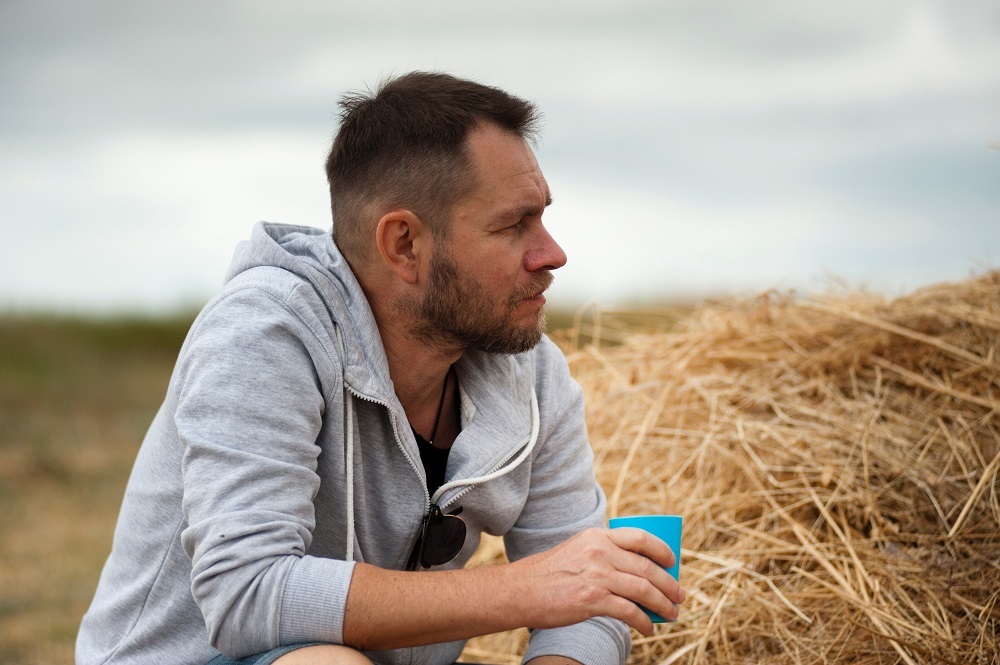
(526, 195)
(504, 162)
(529, 185)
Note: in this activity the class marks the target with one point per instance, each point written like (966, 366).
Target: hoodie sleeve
(564, 498)
(250, 408)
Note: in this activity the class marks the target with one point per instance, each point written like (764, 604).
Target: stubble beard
(456, 312)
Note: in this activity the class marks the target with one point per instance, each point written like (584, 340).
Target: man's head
(437, 202)
(406, 146)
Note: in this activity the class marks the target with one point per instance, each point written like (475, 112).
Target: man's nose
(546, 255)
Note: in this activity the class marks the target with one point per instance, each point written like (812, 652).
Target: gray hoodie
(280, 441)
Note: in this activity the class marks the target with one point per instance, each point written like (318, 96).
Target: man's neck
(418, 373)
(417, 367)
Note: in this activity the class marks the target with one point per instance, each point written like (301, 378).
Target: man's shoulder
(273, 281)
(271, 289)
(260, 300)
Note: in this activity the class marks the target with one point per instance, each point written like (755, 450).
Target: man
(354, 410)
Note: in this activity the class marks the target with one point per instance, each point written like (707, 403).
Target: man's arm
(597, 573)
(249, 408)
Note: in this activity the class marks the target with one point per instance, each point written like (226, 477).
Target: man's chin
(521, 339)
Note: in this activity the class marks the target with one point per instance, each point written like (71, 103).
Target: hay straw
(837, 462)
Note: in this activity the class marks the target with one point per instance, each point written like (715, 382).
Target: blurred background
(694, 149)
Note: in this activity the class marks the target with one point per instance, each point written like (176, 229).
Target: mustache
(542, 283)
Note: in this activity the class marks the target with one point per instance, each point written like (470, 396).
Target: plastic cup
(667, 528)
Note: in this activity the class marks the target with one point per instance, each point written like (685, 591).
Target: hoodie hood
(311, 254)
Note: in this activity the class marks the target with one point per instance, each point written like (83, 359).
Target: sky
(693, 148)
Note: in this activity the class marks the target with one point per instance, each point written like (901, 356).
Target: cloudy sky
(693, 147)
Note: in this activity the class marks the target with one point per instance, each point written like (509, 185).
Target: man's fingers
(644, 592)
(660, 578)
(646, 544)
(641, 578)
(630, 613)
(641, 564)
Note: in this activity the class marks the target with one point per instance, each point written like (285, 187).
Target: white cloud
(633, 245)
(149, 221)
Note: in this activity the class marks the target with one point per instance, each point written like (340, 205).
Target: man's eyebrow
(530, 209)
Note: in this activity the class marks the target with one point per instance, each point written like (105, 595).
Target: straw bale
(836, 459)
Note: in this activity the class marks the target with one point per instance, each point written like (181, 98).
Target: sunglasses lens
(444, 536)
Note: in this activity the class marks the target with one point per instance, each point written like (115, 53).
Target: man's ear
(401, 237)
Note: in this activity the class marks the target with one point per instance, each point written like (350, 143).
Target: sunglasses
(441, 539)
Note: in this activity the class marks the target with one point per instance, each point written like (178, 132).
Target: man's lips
(536, 291)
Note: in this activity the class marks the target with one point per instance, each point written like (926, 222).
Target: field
(75, 399)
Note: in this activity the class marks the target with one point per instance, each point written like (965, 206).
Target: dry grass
(836, 461)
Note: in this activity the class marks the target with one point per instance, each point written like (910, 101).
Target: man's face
(487, 277)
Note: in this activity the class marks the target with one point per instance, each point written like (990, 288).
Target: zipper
(499, 465)
(399, 442)
(469, 483)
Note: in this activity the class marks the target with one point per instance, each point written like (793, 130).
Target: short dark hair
(406, 145)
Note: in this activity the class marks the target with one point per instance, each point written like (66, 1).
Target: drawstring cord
(349, 404)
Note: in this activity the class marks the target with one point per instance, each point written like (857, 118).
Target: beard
(458, 311)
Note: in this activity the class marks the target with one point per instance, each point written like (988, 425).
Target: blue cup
(665, 527)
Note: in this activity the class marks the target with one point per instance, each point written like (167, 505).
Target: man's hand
(600, 572)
